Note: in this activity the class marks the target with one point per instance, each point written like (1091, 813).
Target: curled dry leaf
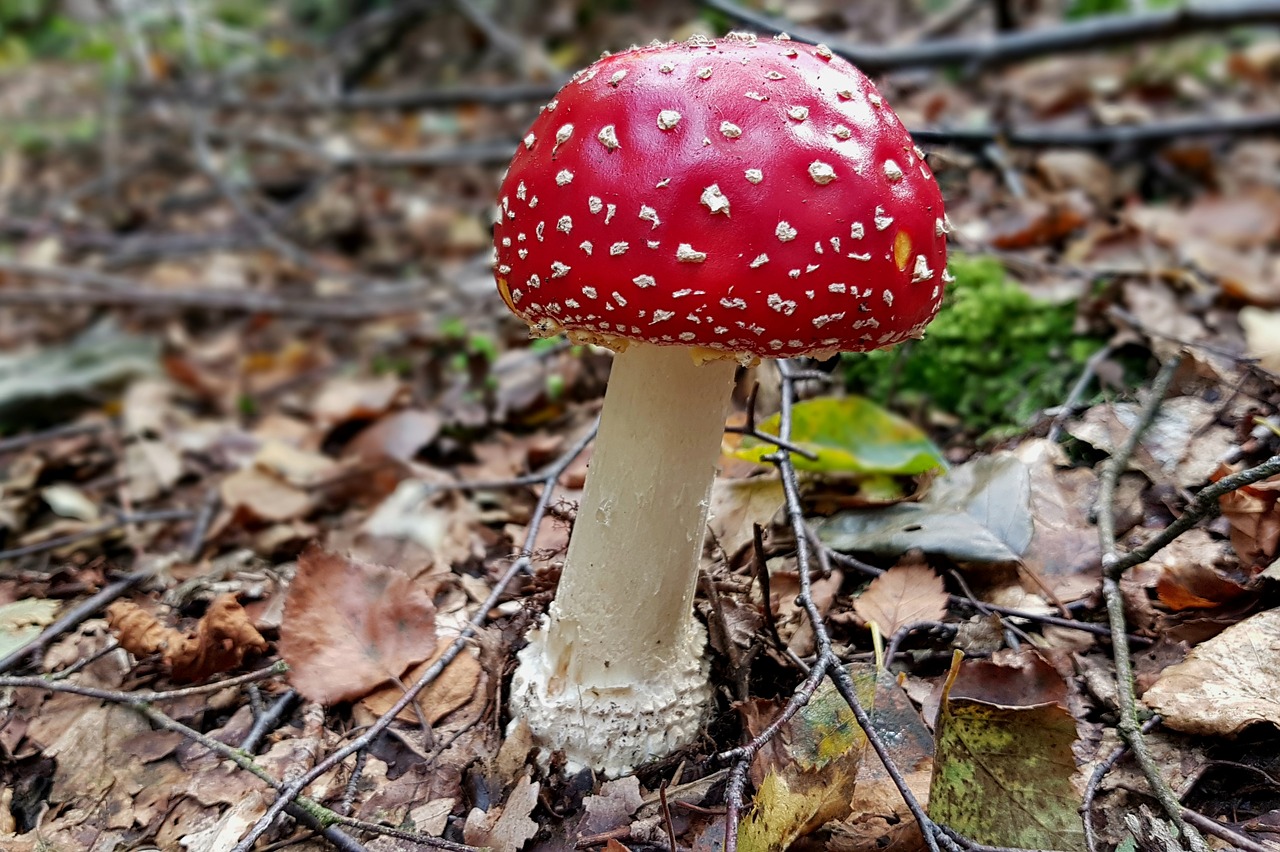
(508, 827)
(220, 642)
(351, 625)
(908, 593)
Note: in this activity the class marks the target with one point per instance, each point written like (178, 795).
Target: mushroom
(692, 206)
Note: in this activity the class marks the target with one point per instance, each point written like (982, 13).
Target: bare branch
(1006, 49)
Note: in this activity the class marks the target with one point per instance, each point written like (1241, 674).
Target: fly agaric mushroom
(692, 207)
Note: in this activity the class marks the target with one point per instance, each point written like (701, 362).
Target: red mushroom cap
(743, 195)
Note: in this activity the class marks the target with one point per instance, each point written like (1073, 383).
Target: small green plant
(994, 357)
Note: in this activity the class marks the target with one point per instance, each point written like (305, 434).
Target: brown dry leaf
(351, 398)
(222, 638)
(905, 594)
(508, 827)
(349, 626)
(397, 436)
(1036, 223)
(1063, 554)
(1254, 515)
(1188, 576)
(453, 688)
(1225, 684)
(262, 497)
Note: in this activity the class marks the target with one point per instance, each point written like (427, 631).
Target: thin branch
(116, 523)
(142, 696)
(1130, 135)
(86, 287)
(363, 100)
(70, 430)
(1008, 48)
(1126, 702)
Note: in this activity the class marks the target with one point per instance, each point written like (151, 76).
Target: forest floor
(272, 450)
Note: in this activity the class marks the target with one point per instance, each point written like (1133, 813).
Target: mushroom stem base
(613, 729)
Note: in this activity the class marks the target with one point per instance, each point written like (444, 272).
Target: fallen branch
(101, 289)
(122, 520)
(361, 100)
(1133, 135)
(1009, 48)
(1128, 726)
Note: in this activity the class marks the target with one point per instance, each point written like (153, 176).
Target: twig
(1128, 135)
(141, 696)
(80, 613)
(1224, 832)
(116, 523)
(268, 720)
(1068, 407)
(484, 152)
(1128, 726)
(826, 664)
(980, 54)
(289, 792)
(957, 600)
(363, 100)
(70, 430)
(1095, 780)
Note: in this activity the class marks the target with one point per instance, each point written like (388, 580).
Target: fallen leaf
(351, 398)
(737, 505)
(220, 642)
(612, 806)
(849, 435)
(349, 626)
(22, 621)
(262, 497)
(397, 436)
(452, 689)
(1189, 578)
(508, 827)
(1226, 683)
(1254, 515)
(905, 594)
(808, 770)
(975, 513)
(1003, 768)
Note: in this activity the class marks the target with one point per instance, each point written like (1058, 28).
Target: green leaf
(1003, 765)
(849, 435)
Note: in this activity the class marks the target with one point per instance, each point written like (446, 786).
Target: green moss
(994, 357)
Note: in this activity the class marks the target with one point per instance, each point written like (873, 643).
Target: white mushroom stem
(616, 675)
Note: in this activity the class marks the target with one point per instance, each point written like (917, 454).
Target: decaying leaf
(220, 642)
(975, 513)
(1003, 768)
(505, 828)
(349, 626)
(1262, 335)
(905, 594)
(809, 770)
(1226, 683)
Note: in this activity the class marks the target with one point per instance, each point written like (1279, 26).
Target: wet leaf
(349, 626)
(1003, 767)
(1226, 683)
(978, 512)
(905, 594)
(849, 435)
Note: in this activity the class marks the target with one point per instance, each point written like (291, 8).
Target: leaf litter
(318, 473)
